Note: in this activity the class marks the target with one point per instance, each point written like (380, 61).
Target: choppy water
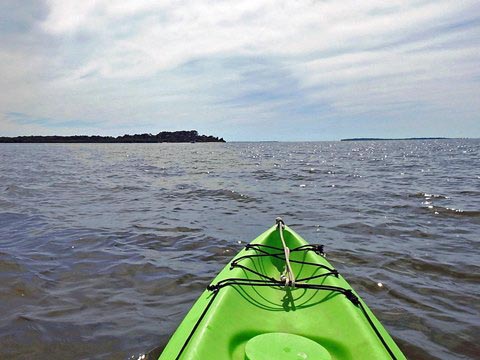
(104, 247)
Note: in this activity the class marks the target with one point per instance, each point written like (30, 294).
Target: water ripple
(104, 247)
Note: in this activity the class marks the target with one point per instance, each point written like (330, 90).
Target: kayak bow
(280, 299)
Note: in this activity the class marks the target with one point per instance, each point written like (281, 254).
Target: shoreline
(191, 136)
(393, 139)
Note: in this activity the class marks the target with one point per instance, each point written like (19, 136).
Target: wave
(423, 195)
(358, 228)
(399, 263)
(221, 194)
(440, 210)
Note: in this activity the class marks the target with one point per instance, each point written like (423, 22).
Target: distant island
(191, 136)
(391, 139)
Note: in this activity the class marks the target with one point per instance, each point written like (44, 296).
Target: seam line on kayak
(215, 292)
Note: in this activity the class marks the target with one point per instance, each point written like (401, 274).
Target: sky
(242, 70)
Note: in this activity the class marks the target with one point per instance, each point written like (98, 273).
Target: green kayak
(280, 299)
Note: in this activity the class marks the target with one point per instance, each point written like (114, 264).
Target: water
(104, 247)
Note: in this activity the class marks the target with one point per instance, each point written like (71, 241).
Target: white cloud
(140, 38)
(126, 62)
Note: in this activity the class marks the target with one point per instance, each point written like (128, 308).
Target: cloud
(238, 66)
(25, 119)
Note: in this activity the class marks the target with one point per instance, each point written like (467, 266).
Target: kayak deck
(249, 298)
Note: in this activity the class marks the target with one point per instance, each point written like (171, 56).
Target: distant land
(161, 137)
(391, 139)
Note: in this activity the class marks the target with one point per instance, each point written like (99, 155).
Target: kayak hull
(240, 305)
